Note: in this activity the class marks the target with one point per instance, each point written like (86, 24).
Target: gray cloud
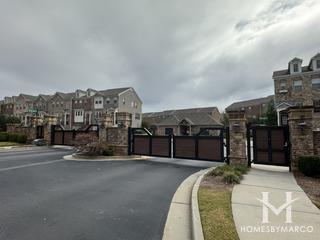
(176, 54)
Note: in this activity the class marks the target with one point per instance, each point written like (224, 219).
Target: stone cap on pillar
(295, 113)
(50, 119)
(106, 120)
(124, 119)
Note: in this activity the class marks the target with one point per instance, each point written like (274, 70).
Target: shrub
(3, 137)
(241, 168)
(231, 177)
(12, 137)
(237, 169)
(229, 173)
(21, 139)
(309, 165)
(108, 151)
(218, 171)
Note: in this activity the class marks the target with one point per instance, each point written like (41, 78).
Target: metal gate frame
(251, 133)
(224, 134)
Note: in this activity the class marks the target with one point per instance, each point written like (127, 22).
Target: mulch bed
(310, 185)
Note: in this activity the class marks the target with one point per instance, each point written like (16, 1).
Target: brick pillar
(301, 133)
(48, 122)
(124, 119)
(106, 121)
(238, 138)
(117, 138)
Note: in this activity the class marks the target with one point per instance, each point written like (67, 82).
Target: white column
(278, 117)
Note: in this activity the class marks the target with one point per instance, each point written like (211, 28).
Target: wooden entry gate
(199, 147)
(268, 145)
(60, 136)
(39, 132)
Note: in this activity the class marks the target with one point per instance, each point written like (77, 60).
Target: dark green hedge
(12, 137)
(3, 137)
(309, 165)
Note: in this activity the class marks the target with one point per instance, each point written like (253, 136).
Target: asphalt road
(45, 197)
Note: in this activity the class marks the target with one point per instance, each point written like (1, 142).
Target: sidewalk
(247, 210)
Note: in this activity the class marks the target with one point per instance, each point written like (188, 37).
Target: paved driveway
(45, 197)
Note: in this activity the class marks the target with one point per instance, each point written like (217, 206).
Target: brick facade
(238, 133)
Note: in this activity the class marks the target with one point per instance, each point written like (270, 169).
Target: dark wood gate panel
(270, 145)
(40, 132)
(161, 146)
(141, 144)
(210, 148)
(184, 147)
(58, 137)
(199, 147)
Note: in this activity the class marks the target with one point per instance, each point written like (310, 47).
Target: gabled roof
(248, 103)
(176, 111)
(194, 116)
(304, 69)
(296, 60)
(316, 56)
(286, 71)
(27, 97)
(112, 92)
(65, 96)
(44, 97)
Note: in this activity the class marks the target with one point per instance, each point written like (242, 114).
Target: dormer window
(295, 66)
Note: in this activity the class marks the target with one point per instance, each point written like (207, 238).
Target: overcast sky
(175, 53)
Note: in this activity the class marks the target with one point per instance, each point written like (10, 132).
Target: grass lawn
(310, 185)
(216, 213)
(8, 144)
(215, 202)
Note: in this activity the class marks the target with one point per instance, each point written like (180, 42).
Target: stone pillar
(106, 121)
(48, 122)
(35, 121)
(124, 119)
(238, 138)
(301, 133)
(117, 139)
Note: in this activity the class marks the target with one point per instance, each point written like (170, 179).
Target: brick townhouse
(182, 122)
(7, 106)
(253, 109)
(77, 108)
(60, 105)
(23, 107)
(297, 86)
(88, 106)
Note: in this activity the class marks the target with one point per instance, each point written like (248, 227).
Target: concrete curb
(104, 159)
(62, 147)
(197, 231)
(183, 219)
(12, 147)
